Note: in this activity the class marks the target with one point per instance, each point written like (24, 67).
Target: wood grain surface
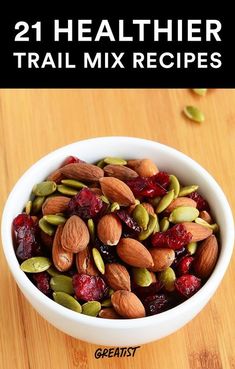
(34, 122)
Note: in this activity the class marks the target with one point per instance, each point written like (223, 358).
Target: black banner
(142, 50)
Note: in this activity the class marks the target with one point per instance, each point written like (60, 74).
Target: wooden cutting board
(34, 122)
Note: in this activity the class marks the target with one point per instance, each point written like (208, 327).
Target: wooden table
(34, 122)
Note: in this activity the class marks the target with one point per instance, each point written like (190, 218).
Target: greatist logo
(102, 353)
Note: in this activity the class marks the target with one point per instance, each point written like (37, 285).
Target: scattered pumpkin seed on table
(193, 113)
(200, 91)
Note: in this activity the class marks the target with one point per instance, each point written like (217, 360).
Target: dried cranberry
(187, 285)
(108, 253)
(147, 187)
(22, 220)
(85, 204)
(89, 287)
(128, 232)
(156, 304)
(26, 232)
(184, 265)
(179, 253)
(42, 282)
(70, 160)
(202, 204)
(174, 238)
(128, 220)
(162, 179)
(144, 292)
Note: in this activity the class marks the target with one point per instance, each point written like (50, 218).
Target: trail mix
(118, 239)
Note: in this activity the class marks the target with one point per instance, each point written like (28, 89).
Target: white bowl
(133, 331)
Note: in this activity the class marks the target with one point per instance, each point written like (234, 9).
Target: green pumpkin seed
(114, 207)
(200, 91)
(142, 277)
(141, 216)
(165, 201)
(157, 226)
(101, 164)
(62, 283)
(151, 226)
(155, 201)
(91, 308)
(105, 199)
(28, 207)
(98, 260)
(67, 301)
(106, 303)
(46, 227)
(36, 264)
(44, 188)
(193, 113)
(115, 161)
(185, 191)
(55, 219)
(91, 228)
(73, 183)
(164, 224)
(183, 214)
(66, 190)
(37, 204)
(167, 277)
(53, 272)
(192, 248)
(202, 222)
(110, 292)
(174, 185)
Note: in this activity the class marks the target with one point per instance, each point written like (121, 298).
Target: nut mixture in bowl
(116, 239)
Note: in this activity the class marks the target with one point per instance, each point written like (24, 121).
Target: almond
(75, 235)
(127, 304)
(148, 207)
(82, 172)
(96, 190)
(120, 171)
(117, 191)
(206, 216)
(109, 313)
(117, 277)
(206, 257)
(154, 278)
(134, 253)
(62, 259)
(180, 201)
(109, 229)
(144, 167)
(198, 231)
(85, 263)
(162, 258)
(55, 204)
(56, 176)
